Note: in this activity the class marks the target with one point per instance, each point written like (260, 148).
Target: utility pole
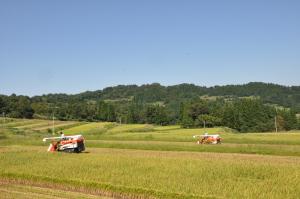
(276, 128)
(53, 128)
(3, 119)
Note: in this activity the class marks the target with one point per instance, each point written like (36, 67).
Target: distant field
(131, 128)
(87, 128)
(147, 161)
(57, 125)
(39, 125)
(17, 123)
(34, 125)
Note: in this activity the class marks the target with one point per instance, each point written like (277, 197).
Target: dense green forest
(250, 107)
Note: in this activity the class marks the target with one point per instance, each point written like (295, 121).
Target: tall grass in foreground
(18, 191)
(161, 174)
(166, 166)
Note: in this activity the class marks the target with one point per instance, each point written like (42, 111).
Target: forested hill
(151, 93)
(249, 107)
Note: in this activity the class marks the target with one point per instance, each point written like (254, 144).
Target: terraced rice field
(39, 125)
(35, 125)
(86, 128)
(146, 161)
(17, 123)
(56, 125)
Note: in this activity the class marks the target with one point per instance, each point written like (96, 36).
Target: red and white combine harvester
(208, 139)
(70, 144)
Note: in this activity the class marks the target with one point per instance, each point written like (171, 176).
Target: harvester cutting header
(71, 144)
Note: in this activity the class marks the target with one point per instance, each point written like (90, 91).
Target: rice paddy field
(146, 161)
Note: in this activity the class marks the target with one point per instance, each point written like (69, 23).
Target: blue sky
(72, 46)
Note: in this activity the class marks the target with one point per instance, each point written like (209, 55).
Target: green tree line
(250, 107)
(244, 115)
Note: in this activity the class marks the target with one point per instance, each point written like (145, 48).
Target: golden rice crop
(162, 173)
